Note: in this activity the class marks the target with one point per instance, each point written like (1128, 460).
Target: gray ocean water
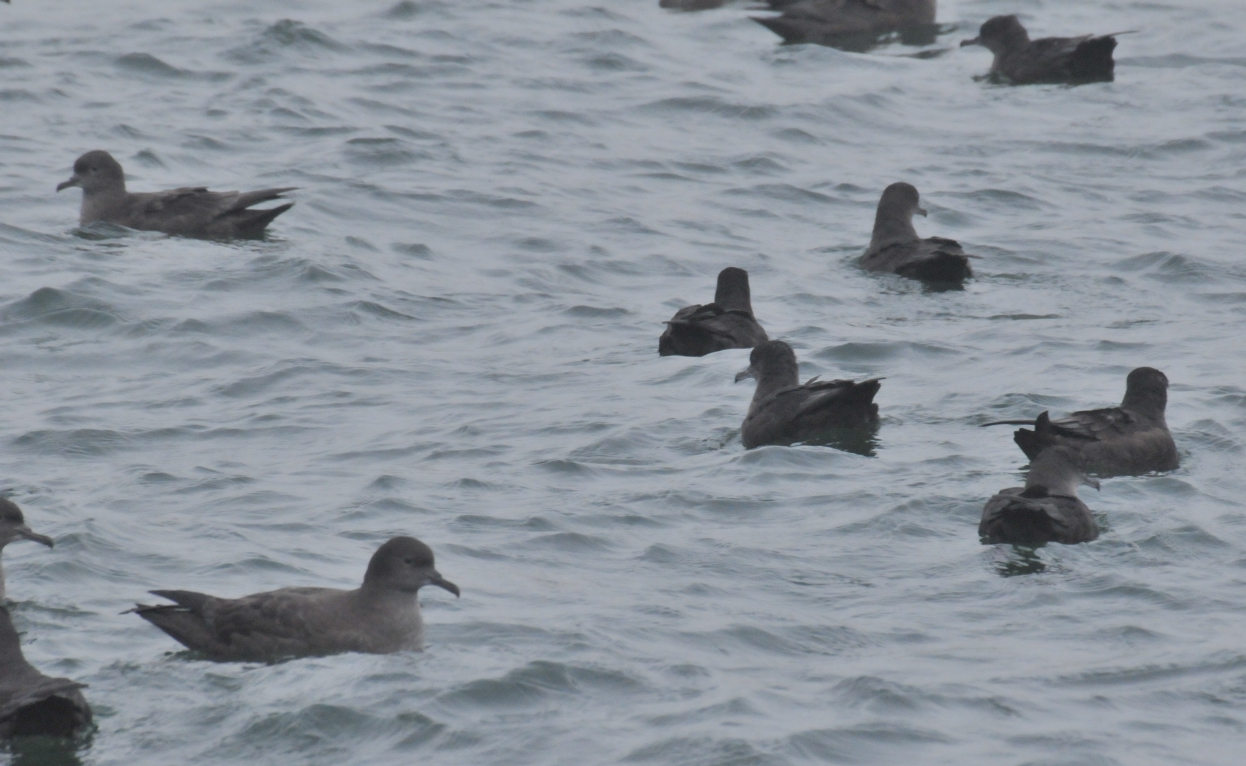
(453, 335)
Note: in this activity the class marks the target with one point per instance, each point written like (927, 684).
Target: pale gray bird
(1127, 440)
(785, 412)
(726, 323)
(185, 212)
(32, 704)
(380, 617)
(1047, 509)
(895, 247)
(13, 527)
(1022, 61)
(854, 25)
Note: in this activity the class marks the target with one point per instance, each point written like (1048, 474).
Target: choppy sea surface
(453, 335)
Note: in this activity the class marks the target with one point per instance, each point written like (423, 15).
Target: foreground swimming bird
(785, 412)
(854, 25)
(896, 248)
(186, 212)
(726, 323)
(13, 527)
(1046, 510)
(1127, 440)
(380, 617)
(1022, 61)
(32, 704)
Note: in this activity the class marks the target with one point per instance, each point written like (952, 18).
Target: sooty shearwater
(853, 25)
(895, 247)
(1022, 61)
(32, 704)
(784, 412)
(1047, 509)
(1127, 440)
(380, 617)
(726, 323)
(185, 212)
(13, 527)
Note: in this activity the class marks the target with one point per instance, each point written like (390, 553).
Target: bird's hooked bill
(74, 180)
(748, 372)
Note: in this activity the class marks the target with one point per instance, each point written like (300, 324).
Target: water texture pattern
(453, 335)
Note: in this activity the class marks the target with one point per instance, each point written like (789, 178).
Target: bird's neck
(775, 381)
(1149, 404)
(891, 229)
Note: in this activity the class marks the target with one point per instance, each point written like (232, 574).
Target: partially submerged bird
(1047, 509)
(1022, 61)
(784, 412)
(13, 527)
(726, 323)
(186, 212)
(1127, 440)
(32, 704)
(895, 247)
(381, 616)
(853, 25)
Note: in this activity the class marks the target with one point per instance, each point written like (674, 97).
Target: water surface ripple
(453, 334)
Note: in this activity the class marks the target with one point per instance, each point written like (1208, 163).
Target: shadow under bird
(380, 617)
(726, 323)
(852, 25)
(32, 704)
(1127, 440)
(895, 247)
(185, 212)
(13, 527)
(1022, 61)
(1046, 510)
(784, 412)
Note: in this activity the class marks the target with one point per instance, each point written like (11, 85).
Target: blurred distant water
(453, 335)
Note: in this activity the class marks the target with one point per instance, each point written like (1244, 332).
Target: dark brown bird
(785, 412)
(726, 323)
(854, 25)
(32, 704)
(380, 617)
(1046, 510)
(13, 527)
(185, 212)
(1022, 61)
(895, 247)
(1127, 440)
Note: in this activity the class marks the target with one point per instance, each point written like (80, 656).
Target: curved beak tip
(921, 211)
(974, 41)
(447, 585)
(66, 184)
(35, 537)
(744, 374)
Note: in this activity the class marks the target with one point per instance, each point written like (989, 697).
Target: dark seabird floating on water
(380, 617)
(1046, 510)
(895, 247)
(1127, 440)
(32, 704)
(185, 212)
(852, 25)
(784, 412)
(13, 527)
(1022, 61)
(726, 323)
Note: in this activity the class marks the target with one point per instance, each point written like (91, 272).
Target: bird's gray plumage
(784, 412)
(1127, 440)
(728, 322)
(1022, 61)
(1047, 509)
(895, 247)
(854, 25)
(186, 212)
(381, 616)
(32, 704)
(13, 527)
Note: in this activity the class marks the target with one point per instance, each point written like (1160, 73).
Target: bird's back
(1022, 517)
(704, 329)
(807, 413)
(933, 260)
